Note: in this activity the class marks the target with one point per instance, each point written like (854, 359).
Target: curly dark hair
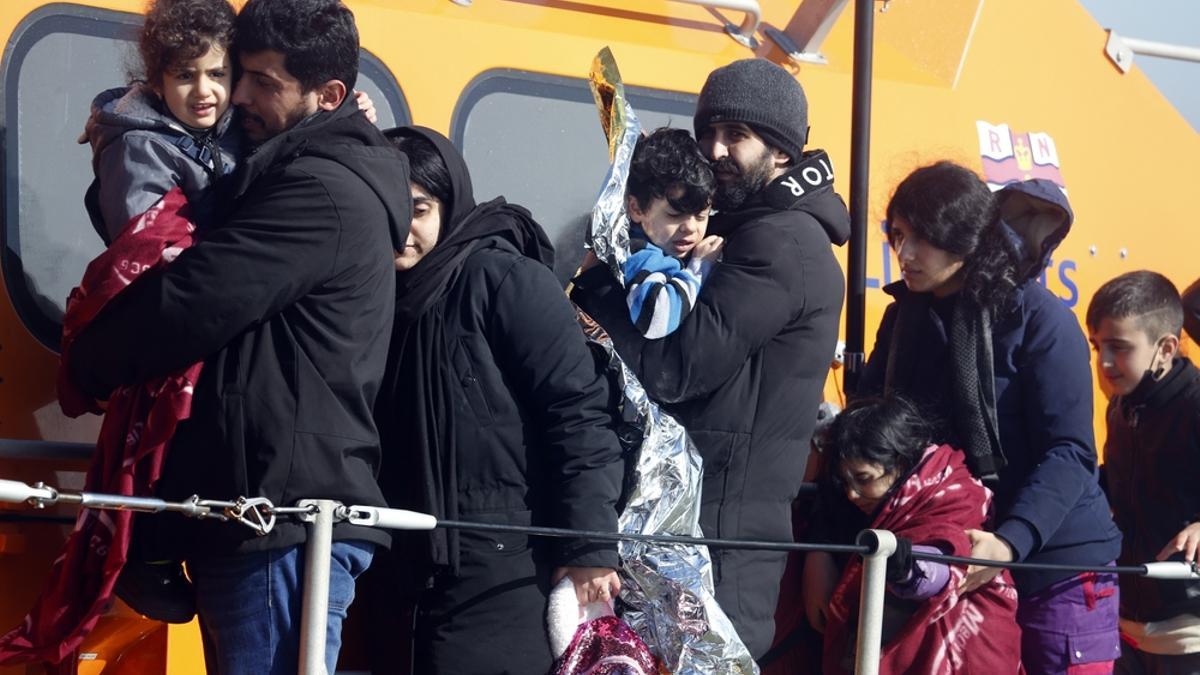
(318, 38)
(181, 30)
(669, 164)
(950, 207)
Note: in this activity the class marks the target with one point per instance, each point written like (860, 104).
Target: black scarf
(974, 389)
(418, 397)
(972, 375)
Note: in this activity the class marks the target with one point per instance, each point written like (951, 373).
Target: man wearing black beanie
(746, 369)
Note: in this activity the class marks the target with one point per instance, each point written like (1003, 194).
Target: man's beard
(733, 193)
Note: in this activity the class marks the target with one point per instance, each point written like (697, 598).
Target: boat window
(374, 78)
(58, 59)
(536, 140)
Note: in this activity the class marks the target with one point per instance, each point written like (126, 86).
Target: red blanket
(949, 633)
(139, 423)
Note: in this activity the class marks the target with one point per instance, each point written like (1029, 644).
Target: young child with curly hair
(668, 195)
(173, 127)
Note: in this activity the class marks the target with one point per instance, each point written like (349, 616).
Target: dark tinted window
(59, 58)
(536, 139)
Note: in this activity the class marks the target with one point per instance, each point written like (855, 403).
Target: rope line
(1044, 567)
(756, 545)
(668, 539)
(259, 514)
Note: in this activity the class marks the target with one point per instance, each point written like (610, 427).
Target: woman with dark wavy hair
(975, 339)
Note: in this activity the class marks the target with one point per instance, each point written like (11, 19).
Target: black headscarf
(417, 401)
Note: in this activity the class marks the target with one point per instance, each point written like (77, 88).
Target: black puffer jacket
(534, 446)
(496, 411)
(745, 373)
(1152, 459)
(289, 305)
(532, 426)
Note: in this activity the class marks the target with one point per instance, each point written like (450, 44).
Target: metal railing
(1121, 49)
(744, 34)
(46, 450)
(752, 15)
(876, 546)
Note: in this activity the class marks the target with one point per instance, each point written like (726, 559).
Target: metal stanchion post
(314, 617)
(870, 610)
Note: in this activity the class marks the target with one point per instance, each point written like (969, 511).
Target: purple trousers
(1070, 627)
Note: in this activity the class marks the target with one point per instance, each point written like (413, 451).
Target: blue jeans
(249, 607)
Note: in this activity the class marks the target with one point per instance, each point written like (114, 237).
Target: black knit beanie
(763, 96)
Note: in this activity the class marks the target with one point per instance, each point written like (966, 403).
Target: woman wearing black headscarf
(493, 410)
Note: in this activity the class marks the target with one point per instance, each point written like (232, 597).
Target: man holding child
(745, 369)
(289, 305)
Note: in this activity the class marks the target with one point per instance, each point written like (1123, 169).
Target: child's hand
(589, 261)
(818, 581)
(366, 105)
(592, 584)
(709, 248)
(1187, 541)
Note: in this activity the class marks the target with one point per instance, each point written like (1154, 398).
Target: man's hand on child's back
(1186, 542)
(709, 248)
(984, 546)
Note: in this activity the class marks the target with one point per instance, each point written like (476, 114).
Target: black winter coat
(289, 305)
(744, 373)
(535, 445)
(532, 424)
(1152, 463)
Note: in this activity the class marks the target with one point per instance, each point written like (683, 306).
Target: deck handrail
(11, 448)
(744, 33)
(1121, 49)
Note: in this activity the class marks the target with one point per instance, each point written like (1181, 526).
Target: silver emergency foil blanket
(667, 591)
(608, 235)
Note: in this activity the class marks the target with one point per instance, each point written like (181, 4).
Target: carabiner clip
(256, 513)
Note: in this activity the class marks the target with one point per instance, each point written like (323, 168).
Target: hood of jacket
(1036, 217)
(806, 187)
(116, 111)
(346, 137)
